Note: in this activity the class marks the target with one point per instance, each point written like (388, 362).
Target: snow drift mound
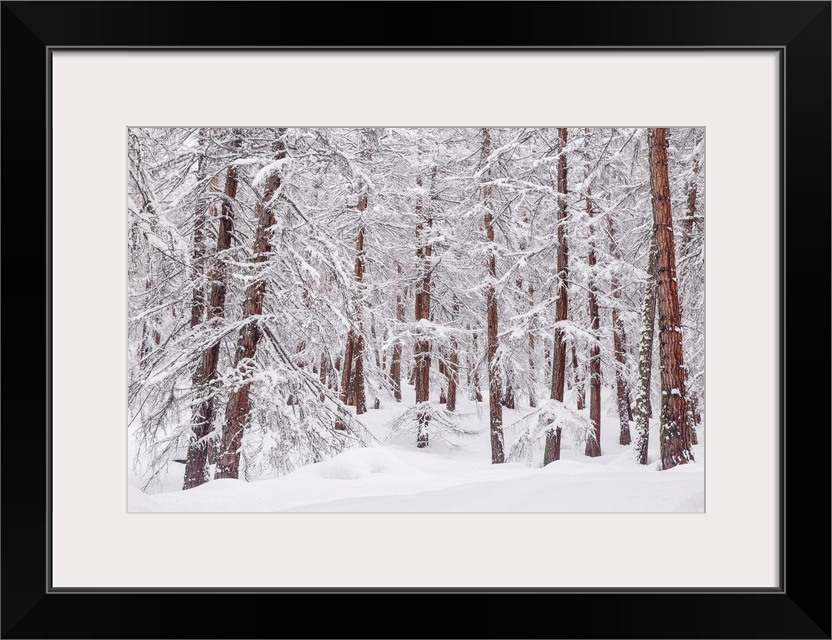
(139, 502)
(355, 464)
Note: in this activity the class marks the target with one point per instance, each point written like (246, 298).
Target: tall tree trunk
(396, 371)
(473, 368)
(443, 372)
(453, 367)
(645, 356)
(694, 417)
(358, 394)
(619, 338)
(198, 255)
(323, 370)
(352, 371)
(422, 350)
(200, 450)
(531, 391)
(552, 451)
(508, 398)
(580, 388)
(396, 364)
(358, 378)
(494, 382)
(532, 376)
(238, 409)
(690, 220)
(198, 460)
(674, 434)
(346, 375)
(593, 447)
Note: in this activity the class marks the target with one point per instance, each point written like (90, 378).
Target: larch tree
(422, 354)
(284, 275)
(593, 445)
(674, 435)
(201, 448)
(396, 363)
(238, 408)
(643, 410)
(553, 437)
(495, 386)
(622, 390)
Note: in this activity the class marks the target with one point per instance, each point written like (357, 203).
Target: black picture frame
(798, 608)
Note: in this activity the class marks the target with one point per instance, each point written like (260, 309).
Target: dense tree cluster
(283, 282)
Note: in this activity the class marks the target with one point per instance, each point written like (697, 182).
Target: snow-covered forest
(416, 319)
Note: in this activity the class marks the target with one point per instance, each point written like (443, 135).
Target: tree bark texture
(396, 364)
(532, 375)
(552, 450)
(645, 357)
(473, 368)
(443, 373)
(352, 371)
(619, 338)
(580, 388)
(200, 449)
(694, 417)
(494, 383)
(358, 394)
(674, 435)
(238, 409)
(422, 349)
(593, 447)
(453, 366)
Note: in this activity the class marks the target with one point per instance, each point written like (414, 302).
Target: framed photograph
(256, 241)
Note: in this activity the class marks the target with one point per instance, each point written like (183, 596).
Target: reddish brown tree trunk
(198, 260)
(358, 395)
(552, 451)
(396, 364)
(443, 372)
(196, 467)
(238, 409)
(619, 337)
(690, 222)
(346, 370)
(322, 369)
(509, 400)
(422, 312)
(674, 435)
(358, 379)
(580, 389)
(494, 382)
(453, 368)
(346, 376)
(593, 447)
(200, 450)
(532, 376)
(352, 371)
(645, 358)
(694, 417)
(473, 368)
(396, 371)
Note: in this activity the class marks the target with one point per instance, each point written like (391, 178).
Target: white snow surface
(395, 476)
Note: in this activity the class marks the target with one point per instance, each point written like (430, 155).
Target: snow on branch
(534, 426)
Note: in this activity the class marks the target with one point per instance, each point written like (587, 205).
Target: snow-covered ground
(396, 476)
